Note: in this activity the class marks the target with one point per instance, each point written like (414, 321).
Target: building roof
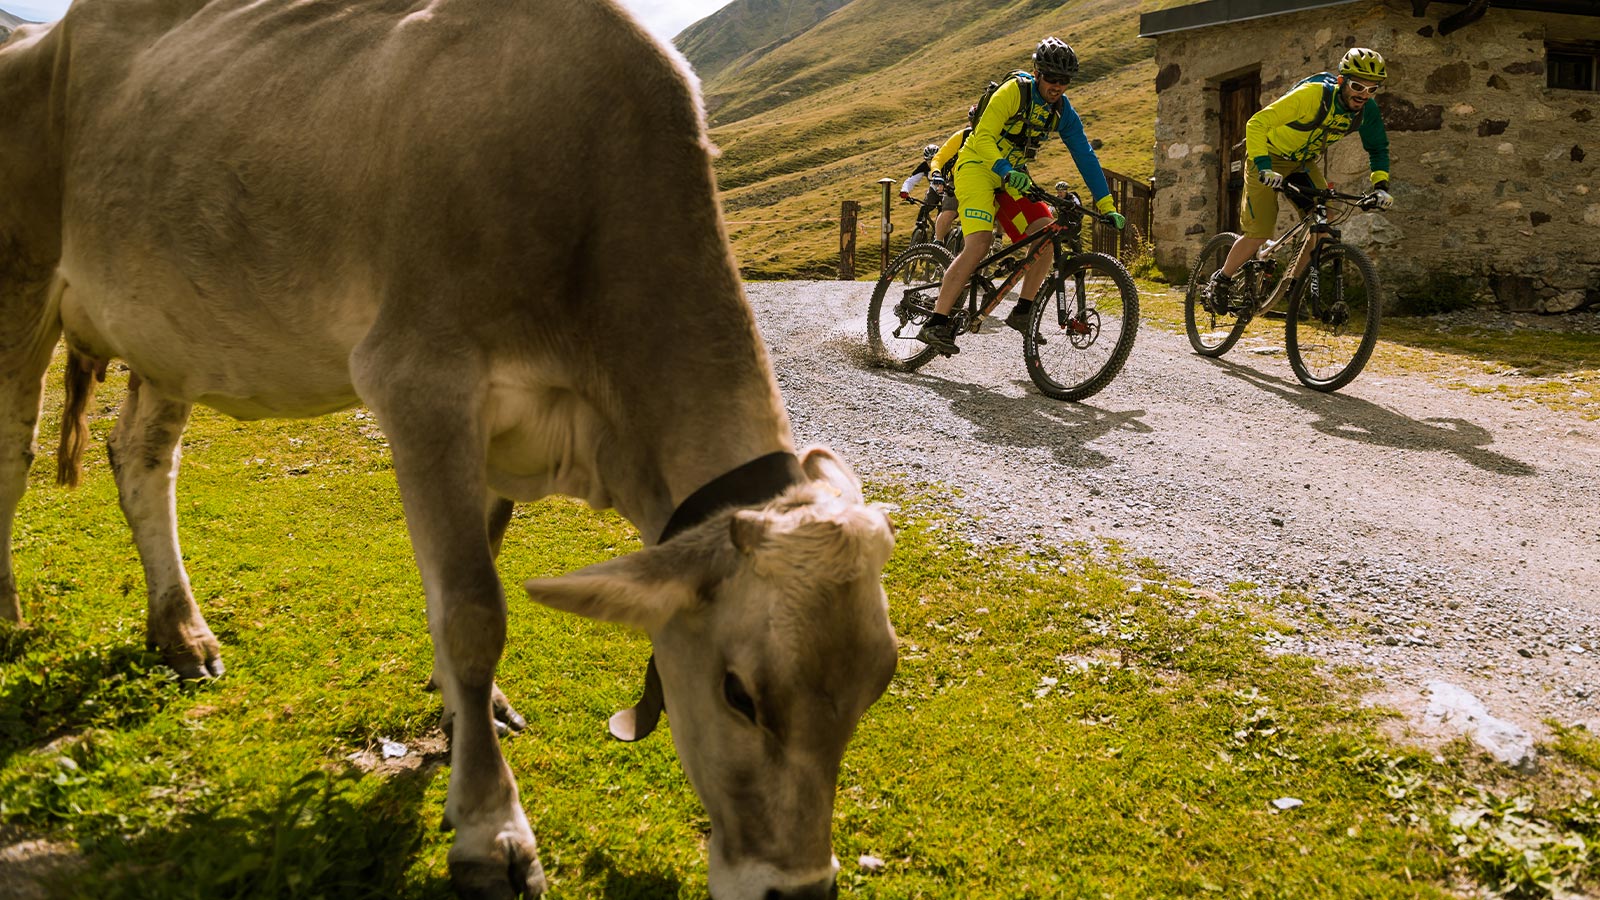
(1222, 12)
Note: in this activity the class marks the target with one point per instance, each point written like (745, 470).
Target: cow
(494, 224)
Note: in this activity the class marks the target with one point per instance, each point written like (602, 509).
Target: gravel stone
(1390, 505)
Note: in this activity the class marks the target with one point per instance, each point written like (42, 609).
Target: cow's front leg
(506, 717)
(144, 459)
(439, 457)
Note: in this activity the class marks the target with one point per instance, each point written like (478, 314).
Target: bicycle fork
(1072, 309)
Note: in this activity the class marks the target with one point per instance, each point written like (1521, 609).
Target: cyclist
(936, 166)
(1287, 138)
(991, 177)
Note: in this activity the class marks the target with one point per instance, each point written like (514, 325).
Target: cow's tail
(83, 374)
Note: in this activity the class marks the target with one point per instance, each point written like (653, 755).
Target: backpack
(1021, 137)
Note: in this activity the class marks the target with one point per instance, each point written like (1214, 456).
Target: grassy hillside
(748, 28)
(822, 117)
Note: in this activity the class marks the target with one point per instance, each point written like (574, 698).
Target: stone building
(1491, 109)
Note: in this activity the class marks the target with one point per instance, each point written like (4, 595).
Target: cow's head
(772, 637)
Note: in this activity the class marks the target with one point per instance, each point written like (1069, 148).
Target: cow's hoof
(506, 717)
(190, 666)
(490, 881)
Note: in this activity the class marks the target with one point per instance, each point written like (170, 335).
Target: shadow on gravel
(1362, 420)
(1066, 429)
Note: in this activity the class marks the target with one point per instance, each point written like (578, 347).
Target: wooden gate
(1136, 201)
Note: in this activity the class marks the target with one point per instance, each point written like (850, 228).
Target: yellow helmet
(1367, 65)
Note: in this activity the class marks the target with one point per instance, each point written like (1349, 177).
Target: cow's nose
(822, 890)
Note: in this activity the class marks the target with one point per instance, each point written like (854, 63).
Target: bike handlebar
(1070, 202)
(1367, 200)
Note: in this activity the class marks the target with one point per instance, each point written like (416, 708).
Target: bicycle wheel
(1074, 349)
(1333, 319)
(1212, 331)
(901, 302)
(921, 234)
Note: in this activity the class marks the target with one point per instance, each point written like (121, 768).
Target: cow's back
(242, 177)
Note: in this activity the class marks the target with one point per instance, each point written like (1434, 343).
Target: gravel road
(1447, 536)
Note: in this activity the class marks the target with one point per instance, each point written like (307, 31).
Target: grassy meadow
(1060, 726)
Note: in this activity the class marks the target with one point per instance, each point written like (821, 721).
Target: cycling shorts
(983, 200)
(944, 201)
(1258, 212)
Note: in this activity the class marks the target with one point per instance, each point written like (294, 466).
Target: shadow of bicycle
(1351, 418)
(1033, 421)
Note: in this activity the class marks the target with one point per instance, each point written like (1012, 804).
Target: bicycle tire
(1333, 320)
(907, 309)
(1079, 357)
(1211, 334)
(955, 240)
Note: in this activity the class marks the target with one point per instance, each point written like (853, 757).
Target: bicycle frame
(1313, 226)
(1056, 233)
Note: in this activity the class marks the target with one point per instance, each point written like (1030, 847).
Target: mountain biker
(936, 166)
(991, 177)
(1285, 140)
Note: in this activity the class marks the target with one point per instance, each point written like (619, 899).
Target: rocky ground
(1434, 534)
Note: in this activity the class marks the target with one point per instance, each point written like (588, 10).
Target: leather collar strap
(757, 481)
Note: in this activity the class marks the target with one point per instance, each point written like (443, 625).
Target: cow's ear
(822, 465)
(641, 590)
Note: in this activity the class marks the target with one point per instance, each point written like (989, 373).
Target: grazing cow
(494, 223)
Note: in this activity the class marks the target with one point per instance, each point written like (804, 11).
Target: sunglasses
(1360, 88)
(1055, 78)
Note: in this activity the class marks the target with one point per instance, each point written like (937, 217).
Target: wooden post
(849, 211)
(888, 227)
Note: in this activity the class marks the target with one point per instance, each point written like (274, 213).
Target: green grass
(1060, 726)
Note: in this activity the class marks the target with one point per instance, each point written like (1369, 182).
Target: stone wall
(1494, 175)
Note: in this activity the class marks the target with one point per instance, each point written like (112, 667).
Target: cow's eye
(733, 691)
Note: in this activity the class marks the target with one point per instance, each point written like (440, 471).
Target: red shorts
(1016, 214)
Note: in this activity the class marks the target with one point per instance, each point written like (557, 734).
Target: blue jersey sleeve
(1070, 129)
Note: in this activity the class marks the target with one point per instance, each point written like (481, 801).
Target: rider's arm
(910, 184)
(985, 140)
(1376, 141)
(951, 146)
(1071, 132)
(1299, 105)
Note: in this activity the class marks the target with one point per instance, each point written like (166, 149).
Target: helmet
(1054, 57)
(1062, 185)
(929, 151)
(1359, 62)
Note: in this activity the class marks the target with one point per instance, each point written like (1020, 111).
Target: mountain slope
(9, 22)
(747, 27)
(822, 117)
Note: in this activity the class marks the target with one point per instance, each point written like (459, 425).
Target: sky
(664, 17)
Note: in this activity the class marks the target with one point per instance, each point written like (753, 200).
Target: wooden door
(1240, 97)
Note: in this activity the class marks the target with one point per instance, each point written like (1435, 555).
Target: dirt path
(1446, 535)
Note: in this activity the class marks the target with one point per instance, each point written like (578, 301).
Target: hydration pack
(1018, 129)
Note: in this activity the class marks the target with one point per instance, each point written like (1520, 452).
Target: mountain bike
(1085, 317)
(922, 232)
(1331, 323)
